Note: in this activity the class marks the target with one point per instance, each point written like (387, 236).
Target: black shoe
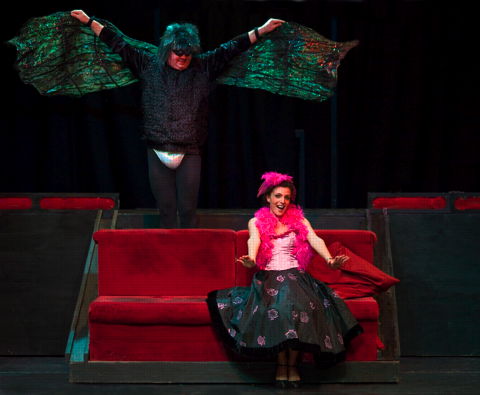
(281, 384)
(294, 383)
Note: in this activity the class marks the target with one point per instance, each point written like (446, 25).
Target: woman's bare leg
(282, 366)
(293, 374)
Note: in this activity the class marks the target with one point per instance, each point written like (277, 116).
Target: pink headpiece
(272, 179)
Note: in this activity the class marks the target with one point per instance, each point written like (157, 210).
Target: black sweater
(175, 103)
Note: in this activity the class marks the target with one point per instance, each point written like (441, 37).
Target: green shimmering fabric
(60, 56)
(293, 60)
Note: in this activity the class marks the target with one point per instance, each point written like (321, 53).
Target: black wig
(181, 37)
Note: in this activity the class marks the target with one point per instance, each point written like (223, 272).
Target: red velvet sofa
(152, 286)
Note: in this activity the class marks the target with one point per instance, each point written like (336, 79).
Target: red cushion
(419, 203)
(150, 310)
(120, 342)
(468, 203)
(353, 290)
(364, 309)
(77, 203)
(165, 262)
(357, 278)
(15, 203)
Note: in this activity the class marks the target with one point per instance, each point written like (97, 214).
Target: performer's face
(179, 60)
(279, 199)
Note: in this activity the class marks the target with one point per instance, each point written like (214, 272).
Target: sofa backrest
(181, 262)
(161, 262)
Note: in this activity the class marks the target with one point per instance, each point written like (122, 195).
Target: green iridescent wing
(58, 55)
(293, 60)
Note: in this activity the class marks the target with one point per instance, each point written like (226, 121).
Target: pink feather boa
(266, 223)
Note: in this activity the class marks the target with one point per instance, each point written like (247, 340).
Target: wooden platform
(385, 370)
(227, 372)
(418, 375)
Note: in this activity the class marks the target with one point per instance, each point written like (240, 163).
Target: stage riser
(436, 257)
(42, 256)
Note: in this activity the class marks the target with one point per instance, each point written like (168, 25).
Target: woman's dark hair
(181, 37)
(285, 184)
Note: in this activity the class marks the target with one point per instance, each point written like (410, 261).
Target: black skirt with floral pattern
(283, 309)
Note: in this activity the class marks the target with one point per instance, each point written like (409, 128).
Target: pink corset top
(282, 257)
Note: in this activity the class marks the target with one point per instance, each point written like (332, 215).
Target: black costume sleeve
(218, 59)
(135, 58)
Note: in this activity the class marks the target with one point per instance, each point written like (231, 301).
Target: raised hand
(270, 25)
(246, 261)
(80, 15)
(337, 261)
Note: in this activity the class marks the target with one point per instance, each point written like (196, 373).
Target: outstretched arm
(134, 58)
(96, 26)
(253, 244)
(218, 59)
(267, 27)
(320, 247)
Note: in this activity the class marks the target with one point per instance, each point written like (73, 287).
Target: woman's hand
(337, 261)
(246, 261)
(270, 26)
(80, 15)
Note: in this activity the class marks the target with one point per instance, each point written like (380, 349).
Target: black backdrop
(403, 116)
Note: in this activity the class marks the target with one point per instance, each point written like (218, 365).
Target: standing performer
(61, 55)
(176, 84)
(285, 310)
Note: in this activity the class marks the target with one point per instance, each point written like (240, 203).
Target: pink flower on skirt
(326, 303)
(243, 344)
(258, 282)
(294, 314)
(237, 300)
(232, 332)
(312, 305)
(272, 314)
(328, 342)
(291, 334)
(292, 276)
(221, 306)
(280, 278)
(340, 338)
(261, 340)
(304, 317)
(272, 291)
(255, 309)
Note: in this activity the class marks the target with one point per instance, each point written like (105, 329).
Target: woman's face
(179, 61)
(279, 200)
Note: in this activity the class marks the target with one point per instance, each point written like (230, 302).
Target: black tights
(175, 190)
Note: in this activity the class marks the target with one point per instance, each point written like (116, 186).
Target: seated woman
(285, 310)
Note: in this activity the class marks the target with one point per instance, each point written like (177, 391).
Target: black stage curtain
(403, 116)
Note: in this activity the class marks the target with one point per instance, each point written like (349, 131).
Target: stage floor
(419, 375)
